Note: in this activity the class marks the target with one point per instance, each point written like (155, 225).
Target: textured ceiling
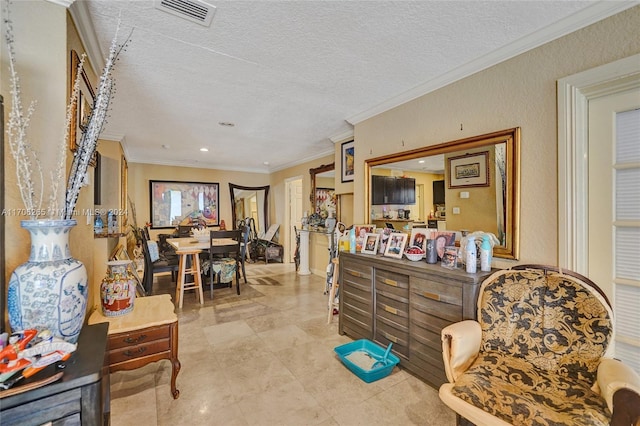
(292, 75)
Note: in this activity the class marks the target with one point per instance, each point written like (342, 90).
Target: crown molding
(65, 3)
(341, 137)
(581, 19)
(82, 20)
(303, 160)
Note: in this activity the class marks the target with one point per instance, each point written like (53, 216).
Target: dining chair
(155, 264)
(225, 257)
(243, 250)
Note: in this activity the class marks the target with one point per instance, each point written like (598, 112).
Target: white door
(614, 213)
(295, 213)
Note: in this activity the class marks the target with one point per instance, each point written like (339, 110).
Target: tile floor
(266, 358)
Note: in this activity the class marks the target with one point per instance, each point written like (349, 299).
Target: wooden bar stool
(184, 270)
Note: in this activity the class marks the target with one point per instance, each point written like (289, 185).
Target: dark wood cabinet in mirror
(481, 178)
(250, 201)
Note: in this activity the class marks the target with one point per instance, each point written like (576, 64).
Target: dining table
(191, 243)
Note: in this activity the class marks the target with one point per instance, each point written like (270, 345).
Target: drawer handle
(390, 282)
(394, 339)
(135, 339)
(391, 310)
(355, 274)
(135, 353)
(431, 295)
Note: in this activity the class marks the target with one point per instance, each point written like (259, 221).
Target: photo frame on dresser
(371, 242)
(396, 244)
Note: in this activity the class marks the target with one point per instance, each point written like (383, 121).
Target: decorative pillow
(154, 254)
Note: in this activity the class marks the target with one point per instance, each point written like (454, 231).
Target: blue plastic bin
(375, 351)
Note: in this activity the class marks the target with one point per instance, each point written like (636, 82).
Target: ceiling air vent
(193, 10)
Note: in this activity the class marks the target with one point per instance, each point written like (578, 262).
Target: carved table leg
(175, 363)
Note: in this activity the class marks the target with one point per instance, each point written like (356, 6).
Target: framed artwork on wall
(174, 203)
(468, 170)
(348, 166)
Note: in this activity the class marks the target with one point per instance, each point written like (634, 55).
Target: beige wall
(43, 66)
(518, 92)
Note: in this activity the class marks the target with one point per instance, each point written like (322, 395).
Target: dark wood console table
(81, 396)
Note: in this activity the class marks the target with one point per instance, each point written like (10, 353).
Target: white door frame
(288, 223)
(574, 93)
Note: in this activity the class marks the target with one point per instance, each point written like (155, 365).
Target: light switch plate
(464, 194)
(456, 210)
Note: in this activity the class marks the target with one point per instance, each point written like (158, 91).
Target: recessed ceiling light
(421, 161)
(204, 149)
(226, 123)
(166, 146)
(266, 163)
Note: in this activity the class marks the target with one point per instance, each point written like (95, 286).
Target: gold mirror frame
(511, 250)
(313, 173)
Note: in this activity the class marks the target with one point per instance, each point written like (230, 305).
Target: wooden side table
(147, 334)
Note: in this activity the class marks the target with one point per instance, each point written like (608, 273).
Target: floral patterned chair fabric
(536, 355)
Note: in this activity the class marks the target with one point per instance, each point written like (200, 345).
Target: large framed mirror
(322, 197)
(250, 201)
(471, 184)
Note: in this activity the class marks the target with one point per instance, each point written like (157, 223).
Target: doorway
(595, 238)
(293, 189)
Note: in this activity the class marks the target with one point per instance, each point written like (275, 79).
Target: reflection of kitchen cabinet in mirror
(392, 190)
(477, 177)
(438, 192)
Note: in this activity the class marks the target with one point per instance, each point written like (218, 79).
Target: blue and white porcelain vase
(49, 291)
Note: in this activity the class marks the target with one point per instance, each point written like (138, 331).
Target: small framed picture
(361, 231)
(419, 237)
(384, 238)
(370, 244)
(450, 257)
(395, 246)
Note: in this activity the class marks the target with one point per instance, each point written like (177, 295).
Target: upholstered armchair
(539, 354)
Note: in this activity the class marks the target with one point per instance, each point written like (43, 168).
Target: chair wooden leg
(180, 281)
(211, 275)
(244, 273)
(198, 277)
(238, 279)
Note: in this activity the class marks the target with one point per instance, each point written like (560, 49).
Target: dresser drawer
(392, 309)
(357, 312)
(129, 353)
(421, 318)
(392, 283)
(390, 332)
(122, 340)
(440, 292)
(357, 274)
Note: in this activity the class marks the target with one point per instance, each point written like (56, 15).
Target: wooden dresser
(408, 303)
(147, 334)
